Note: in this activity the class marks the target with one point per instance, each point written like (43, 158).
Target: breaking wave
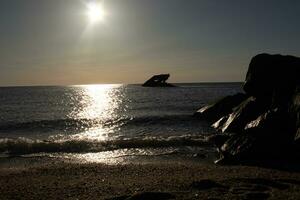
(82, 124)
(23, 146)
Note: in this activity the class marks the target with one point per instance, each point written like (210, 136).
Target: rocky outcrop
(295, 115)
(264, 122)
(220, 108)
(246, 111)
(272, 75)
(158, 81)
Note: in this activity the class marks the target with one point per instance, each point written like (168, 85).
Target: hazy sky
(51, 42)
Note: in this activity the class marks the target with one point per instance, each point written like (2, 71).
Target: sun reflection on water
(98, 104)
(100, 101)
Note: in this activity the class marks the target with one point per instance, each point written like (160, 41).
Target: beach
(149, 100)
(167, 180)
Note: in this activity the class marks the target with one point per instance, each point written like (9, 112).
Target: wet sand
(149, 181)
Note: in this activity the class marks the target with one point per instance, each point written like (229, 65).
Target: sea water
(107, 123)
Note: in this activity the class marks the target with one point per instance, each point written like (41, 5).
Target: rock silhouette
(272, 76)
(264, 122)
(220, 108)
(158, 81)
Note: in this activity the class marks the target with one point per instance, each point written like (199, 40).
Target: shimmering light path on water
(98, 103)
(106, 123)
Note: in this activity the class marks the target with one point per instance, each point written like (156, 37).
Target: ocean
(110, 124)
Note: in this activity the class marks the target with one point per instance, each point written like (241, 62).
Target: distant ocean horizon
(116, 83)
(110, 123)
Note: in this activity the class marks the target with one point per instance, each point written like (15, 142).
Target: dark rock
(274, 124)
(218, 124)
(247, 111)
(269, 73)
(220, 108)
(158, 81)
(265, 122)
(295, 115)
(237, 147)
(268, 136)
(297, 137)
(151, 196)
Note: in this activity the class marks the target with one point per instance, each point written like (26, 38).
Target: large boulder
(247, 111)
(264, 122)
(272, 73)
(275, 131)
(238, 147)
(222, 107)
(268, 136)
(295, 115)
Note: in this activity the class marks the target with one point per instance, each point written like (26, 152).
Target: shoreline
(181, 180)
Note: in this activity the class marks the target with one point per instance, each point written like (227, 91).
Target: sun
(95, 12)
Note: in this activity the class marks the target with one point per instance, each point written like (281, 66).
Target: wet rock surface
(264, 122)
(247, 111)
(220, 108)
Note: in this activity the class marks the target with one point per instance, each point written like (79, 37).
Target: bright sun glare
(95, 12)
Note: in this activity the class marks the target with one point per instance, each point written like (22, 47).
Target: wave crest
(23, 146)
(83, 124)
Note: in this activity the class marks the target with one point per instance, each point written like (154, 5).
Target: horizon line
(70, 85)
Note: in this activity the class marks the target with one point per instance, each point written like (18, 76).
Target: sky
(52, 42)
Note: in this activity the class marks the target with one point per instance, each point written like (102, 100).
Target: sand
(168, 180)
